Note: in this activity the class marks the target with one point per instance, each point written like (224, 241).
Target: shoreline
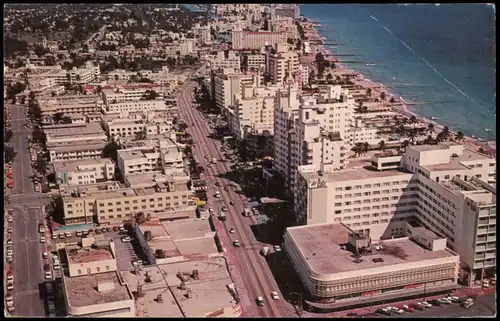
(403, 108)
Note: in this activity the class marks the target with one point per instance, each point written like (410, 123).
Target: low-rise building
(80, 172)
(112, 203)
(92, 286)
(220, 61)
(164, 160)
(353, 267)
(76, 150)
(73, 133)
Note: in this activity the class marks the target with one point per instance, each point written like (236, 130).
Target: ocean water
(442, 57)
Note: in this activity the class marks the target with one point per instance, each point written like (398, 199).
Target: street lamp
(298, 306)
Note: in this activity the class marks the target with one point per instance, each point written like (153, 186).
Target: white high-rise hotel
(312, 130)
(451, 190)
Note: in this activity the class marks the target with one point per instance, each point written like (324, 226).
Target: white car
(42, 239)
(396, 310)
(45, 255)
(445, 300)
(9, 229)
(274, 295)
(454, 299)
(126, 239)
(9, 253)
(426, 304)
(236, 243)
(121, 228)
(9, 219)
(10, 286)
(9, 242)
(67, 234)
(277, 248)
(231, 231)
(48, 275)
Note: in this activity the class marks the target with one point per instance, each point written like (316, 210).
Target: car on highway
(260, 301)
(231, 231)
(9, 219)
(274, 295)
(9, 252)
(206, 156)
(126, 239)
(45, 255)
(42, 239)
(236, 243)
(9, 229)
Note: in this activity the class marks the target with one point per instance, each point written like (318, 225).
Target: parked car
(274, 295)
(42, 239)
(426, 304)
(126, 239)
(48, 275)
(115, 228)
(383, 312)
(277, 248)
(408, 308)
(260, 301)
(418, 307)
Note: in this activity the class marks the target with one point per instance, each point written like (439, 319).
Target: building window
(98, 269)
(88, 271)
(79, 271)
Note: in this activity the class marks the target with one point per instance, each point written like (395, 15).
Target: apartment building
(125, 107)
(73, 132)
(165, 160)
(256, 61)
(312, 130)
(203, 34)
(93, 286)
(121, 74)
(288, 11)
(79, 172)
(283, 64)
(219, 61)
(75, 76)
(129, 93)
(286, 25)
(183, 48)
(90, 104)
(227, 85)
(450, 190)
(253, 112)
(365, 132)
(136, 125)
(251, 40)
(76, 150)
(112, 203)
(391, 269)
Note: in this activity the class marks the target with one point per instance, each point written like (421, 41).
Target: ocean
(442, 57)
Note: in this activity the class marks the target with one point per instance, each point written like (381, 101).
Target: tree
(358, 148)
(150, 95)
(430, 128)
(405, 144)
(369, 92)
(140, 135)
(382, 95)
(57, 117)
(10, 154)
(445, 132)
(111, 151)
(13, 90)
(459, 136)
(329, 77)
(366, 146)
(381, 145)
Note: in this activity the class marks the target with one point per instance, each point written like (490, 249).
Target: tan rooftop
(311, 240)
(85, 255)
(83, 290)
(352, 174)
(81, 145)
(73, 165)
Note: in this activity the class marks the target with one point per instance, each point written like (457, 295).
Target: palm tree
(381, 145)
(459, 136)
(445, 132)
(329, 77)
(405, 144)
(369, 92)
(358, 148)
(412, 134)
(365, 147)
(413, 120)
(430, 128)
(382, 96)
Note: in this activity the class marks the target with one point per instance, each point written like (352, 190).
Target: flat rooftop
(352, 174)
(74, 165)
(139, 179)
(85, 255)
(311, 240)
(209, 291)
(187, 229)
(75, 129)
(83, 290)
(76, 146)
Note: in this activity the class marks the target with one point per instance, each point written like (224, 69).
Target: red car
(115, 228)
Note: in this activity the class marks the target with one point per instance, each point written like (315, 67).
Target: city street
(26, 203)
(257, 279)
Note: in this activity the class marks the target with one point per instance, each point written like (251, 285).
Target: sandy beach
(402, 107)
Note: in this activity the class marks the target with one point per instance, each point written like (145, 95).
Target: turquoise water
(440, 56)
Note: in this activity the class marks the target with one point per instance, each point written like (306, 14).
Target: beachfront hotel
(447, 188)
(251, 40)
(311, 130)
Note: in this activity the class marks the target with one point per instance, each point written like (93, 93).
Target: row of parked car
(82, 233)
(392, 310)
